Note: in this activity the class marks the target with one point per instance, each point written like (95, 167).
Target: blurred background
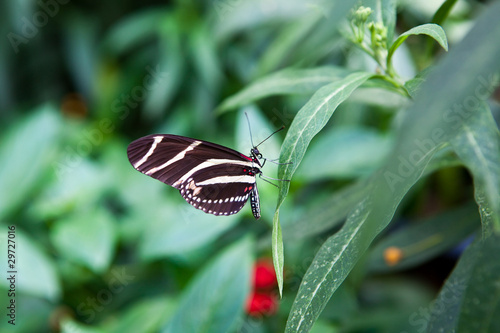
(101, 248)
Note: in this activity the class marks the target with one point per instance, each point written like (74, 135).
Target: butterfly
(213, 178)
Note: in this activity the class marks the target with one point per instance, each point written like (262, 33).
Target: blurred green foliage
(394, 144)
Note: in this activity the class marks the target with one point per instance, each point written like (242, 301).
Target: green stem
(396, 83)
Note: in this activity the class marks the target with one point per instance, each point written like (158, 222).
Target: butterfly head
(255, 153)
(256, 156)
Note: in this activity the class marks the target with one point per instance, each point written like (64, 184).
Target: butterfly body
(215, 179)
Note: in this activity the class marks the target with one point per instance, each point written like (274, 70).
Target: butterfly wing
(211, 177)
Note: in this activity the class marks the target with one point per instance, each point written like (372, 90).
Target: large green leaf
(443, 314)
(288, 81)
(308, 122)
(478, 146)
(37, 273)
(481, 303)
(424, 129)
(214, 300)
(87, 238)
(26, 152)
(69, 192)
(333, 210)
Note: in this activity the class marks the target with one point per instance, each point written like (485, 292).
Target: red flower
(263, 300)
(264, 274)
(262, 303)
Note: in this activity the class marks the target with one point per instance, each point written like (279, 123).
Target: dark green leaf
(445, 310)
(481, 303)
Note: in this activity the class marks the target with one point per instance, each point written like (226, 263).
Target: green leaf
(445, 309)
(481, 303)
(132, 319)
(288, 81)
(478, 146)
(170, 229)
(308, 122)
(413, 85)
(26, 152)
(334, 209)
(69, 192)
(278, 255)
(37, 271)
(423, 240)
(87, 238)
(328, 270)
(214, 300)
(425, 128)
(443, 11)
(430, 29)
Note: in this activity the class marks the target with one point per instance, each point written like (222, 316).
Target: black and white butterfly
(216, 179)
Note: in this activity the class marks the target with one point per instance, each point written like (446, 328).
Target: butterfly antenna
(279, 129)
(249, 129)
